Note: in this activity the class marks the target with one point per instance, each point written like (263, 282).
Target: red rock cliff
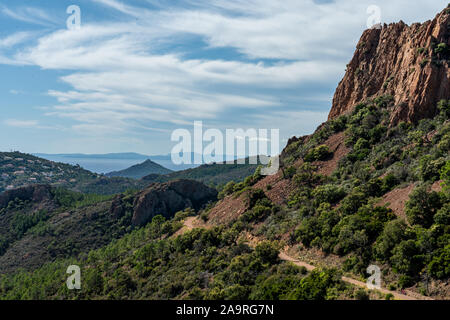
(411, 63)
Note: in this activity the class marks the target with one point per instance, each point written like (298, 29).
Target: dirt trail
(192, 222)
(189, 223)
(283, 256)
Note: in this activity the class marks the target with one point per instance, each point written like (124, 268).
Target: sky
(137, 70)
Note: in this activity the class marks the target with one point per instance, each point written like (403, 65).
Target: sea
(104, 164)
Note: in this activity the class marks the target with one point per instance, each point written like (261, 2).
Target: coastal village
(18, 170)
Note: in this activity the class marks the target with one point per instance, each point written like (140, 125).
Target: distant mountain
(140, 170)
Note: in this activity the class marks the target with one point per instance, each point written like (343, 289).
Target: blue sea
(103, 165)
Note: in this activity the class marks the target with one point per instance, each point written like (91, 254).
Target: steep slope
(39, 223)
(411, 63)
(140, 170)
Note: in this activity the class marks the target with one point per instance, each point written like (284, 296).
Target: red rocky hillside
(410, 63)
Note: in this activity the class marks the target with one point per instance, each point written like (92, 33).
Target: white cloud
(21, 123)
(121, 7)
(30, 124)
(122, 82)
(14, 39)
(29, 15)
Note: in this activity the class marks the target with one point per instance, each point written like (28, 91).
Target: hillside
(210, 174)
(371, 186)
(140, 170)
(40, 223)
(19, 170)
(334, 215)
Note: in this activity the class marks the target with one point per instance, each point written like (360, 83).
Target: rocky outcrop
(168, 198)
(33, 193)
(118, 207)
(410, 63)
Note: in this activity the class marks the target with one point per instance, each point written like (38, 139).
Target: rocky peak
(410, 63)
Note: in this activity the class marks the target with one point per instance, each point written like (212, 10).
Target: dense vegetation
(215, 175)
(64, 224)
(201, 264)
(344, 215)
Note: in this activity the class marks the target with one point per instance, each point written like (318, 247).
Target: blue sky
(137, 70)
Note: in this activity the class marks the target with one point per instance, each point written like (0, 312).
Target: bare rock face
(410, 63)
(168, 198)
(32, 193)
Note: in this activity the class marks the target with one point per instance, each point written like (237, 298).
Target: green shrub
(255, 195)
(442, 217)
(361, 150)
(441, 48)
(267, 251)
(393, 233)
(289, 172)
(389, 182)
(383, 101)
(405, 281)
(353, 202)
(430, 169)
(422, 206)
(361, 294)
(424, 62)
(316, 286)
(407, 259)
(445, 175)
(439, 267)
(307, 231)
(306, 176)
(21, 223)
(421, 50)
(319, 153)
(389, 296)
(444, 108)
(328, 193)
